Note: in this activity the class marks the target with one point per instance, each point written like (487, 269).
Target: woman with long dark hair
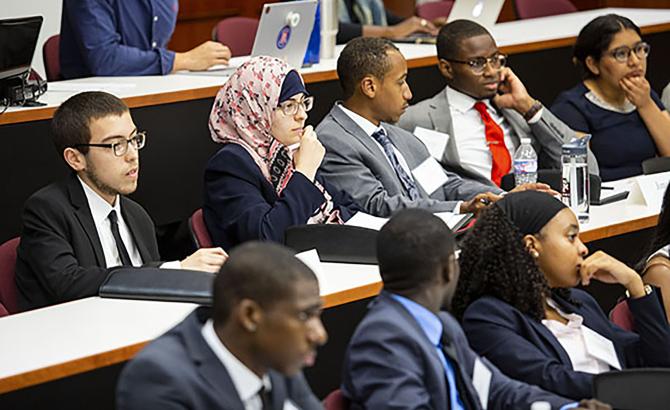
(519, 308)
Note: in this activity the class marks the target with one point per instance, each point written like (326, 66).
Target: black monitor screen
(18, 40)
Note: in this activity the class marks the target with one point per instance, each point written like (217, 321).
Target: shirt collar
(246, 382)
(427, 320)
(368, 127)
(462, 102)
(100, 208)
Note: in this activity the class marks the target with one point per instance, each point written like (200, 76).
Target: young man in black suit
(246, 352)
(75, 229)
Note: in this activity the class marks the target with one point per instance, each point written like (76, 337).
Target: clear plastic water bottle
(575, 176)
(525, 163)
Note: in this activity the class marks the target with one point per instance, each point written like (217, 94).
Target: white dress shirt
(470, 133)
(571, 338)
(369, 128)
(247, 383)
(100, 210)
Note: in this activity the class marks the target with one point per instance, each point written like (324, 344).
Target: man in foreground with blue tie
(76, 229)
(383, 167)
(408, 353)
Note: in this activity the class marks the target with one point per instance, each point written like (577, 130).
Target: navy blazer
(242, 205)
(391, 364)
(526, 350)
(180, 371)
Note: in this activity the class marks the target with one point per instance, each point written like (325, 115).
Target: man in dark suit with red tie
(76, 229)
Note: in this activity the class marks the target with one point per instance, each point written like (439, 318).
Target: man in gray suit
(480, 88)
(383, 167)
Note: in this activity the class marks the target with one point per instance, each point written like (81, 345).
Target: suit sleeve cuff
(171, 265)
(535, 118)
(569, 406)
(457, 208)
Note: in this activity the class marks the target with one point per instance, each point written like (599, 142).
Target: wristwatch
(647, 290)
(528, 115)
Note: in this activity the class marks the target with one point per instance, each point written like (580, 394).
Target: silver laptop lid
(484, 12)
(284, 31)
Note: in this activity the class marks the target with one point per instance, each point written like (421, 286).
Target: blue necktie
(455, 402)
(406, 181)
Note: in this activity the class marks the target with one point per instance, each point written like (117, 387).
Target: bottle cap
(525, 140)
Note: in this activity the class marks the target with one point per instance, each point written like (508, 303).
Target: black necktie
(264, 394)
(463, 391)
(123, 253)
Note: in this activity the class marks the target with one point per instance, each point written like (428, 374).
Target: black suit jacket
(180, 371)
(60, 257)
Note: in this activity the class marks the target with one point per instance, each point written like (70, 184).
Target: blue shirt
(116, 37)
(619, 141)
(432, 327)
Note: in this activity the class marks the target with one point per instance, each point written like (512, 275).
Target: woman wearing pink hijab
(265, 178)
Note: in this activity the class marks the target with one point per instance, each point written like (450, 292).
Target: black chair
(634, 389)
(656, 165)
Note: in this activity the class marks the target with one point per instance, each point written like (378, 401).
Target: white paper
(68, 86)
(220, 70)
(430, 175)
(600, 347)
(312, 260)
(481, 380)
(435, 141)
(363, 220)
(649, 189)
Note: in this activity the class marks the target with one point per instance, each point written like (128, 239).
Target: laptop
(283, 32)
(484, 12)
(18, 41)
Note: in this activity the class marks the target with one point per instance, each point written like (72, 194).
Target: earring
(535, 254)
(251, 327)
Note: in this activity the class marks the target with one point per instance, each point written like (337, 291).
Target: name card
(648, 190)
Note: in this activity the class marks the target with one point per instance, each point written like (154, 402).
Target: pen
(607, 187)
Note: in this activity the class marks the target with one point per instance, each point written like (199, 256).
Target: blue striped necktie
(406, 181)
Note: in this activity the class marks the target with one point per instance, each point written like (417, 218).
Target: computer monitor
(18, 41)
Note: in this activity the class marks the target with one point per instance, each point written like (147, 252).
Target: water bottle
(329, 24)
(575, 177)
(525, 163)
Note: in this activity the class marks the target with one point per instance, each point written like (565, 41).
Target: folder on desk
(170, 285)
(335, 243)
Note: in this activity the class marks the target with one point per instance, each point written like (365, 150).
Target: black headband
(530, 211)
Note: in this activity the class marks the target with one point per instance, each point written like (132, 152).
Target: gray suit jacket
(547, 135)
(356, 165)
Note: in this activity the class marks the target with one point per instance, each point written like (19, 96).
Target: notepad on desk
(363, 220)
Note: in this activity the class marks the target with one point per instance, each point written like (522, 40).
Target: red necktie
(495, 139)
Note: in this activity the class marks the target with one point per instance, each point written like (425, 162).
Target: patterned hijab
(242, 114)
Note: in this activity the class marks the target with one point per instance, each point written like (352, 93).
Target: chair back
(656, 165)
(8, 298)
(51, 56)
(634, 389)
(238, 33)
(528, 9)
(199, 232)
(620, 315)
(336, 401)
(435, 9)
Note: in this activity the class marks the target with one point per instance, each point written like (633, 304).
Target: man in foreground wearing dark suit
(75, 229)
(246, 352)
(407, 353)
(485, 110)
(383, 167)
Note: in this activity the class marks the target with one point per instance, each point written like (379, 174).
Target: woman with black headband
(519, 309)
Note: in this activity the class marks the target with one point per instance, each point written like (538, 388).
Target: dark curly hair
(661, 236)
(494, 262)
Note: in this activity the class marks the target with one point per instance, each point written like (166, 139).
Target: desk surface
(90, 333)
(512, 37)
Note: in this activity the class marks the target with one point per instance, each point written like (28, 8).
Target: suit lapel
(349, 126)
(440, 115)
(278, 393)
(209, 366)
(135, 231)
(83, 214)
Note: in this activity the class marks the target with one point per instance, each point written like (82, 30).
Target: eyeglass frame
(125, 142)
(293, 103)
(644, 44)
(488, 61)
